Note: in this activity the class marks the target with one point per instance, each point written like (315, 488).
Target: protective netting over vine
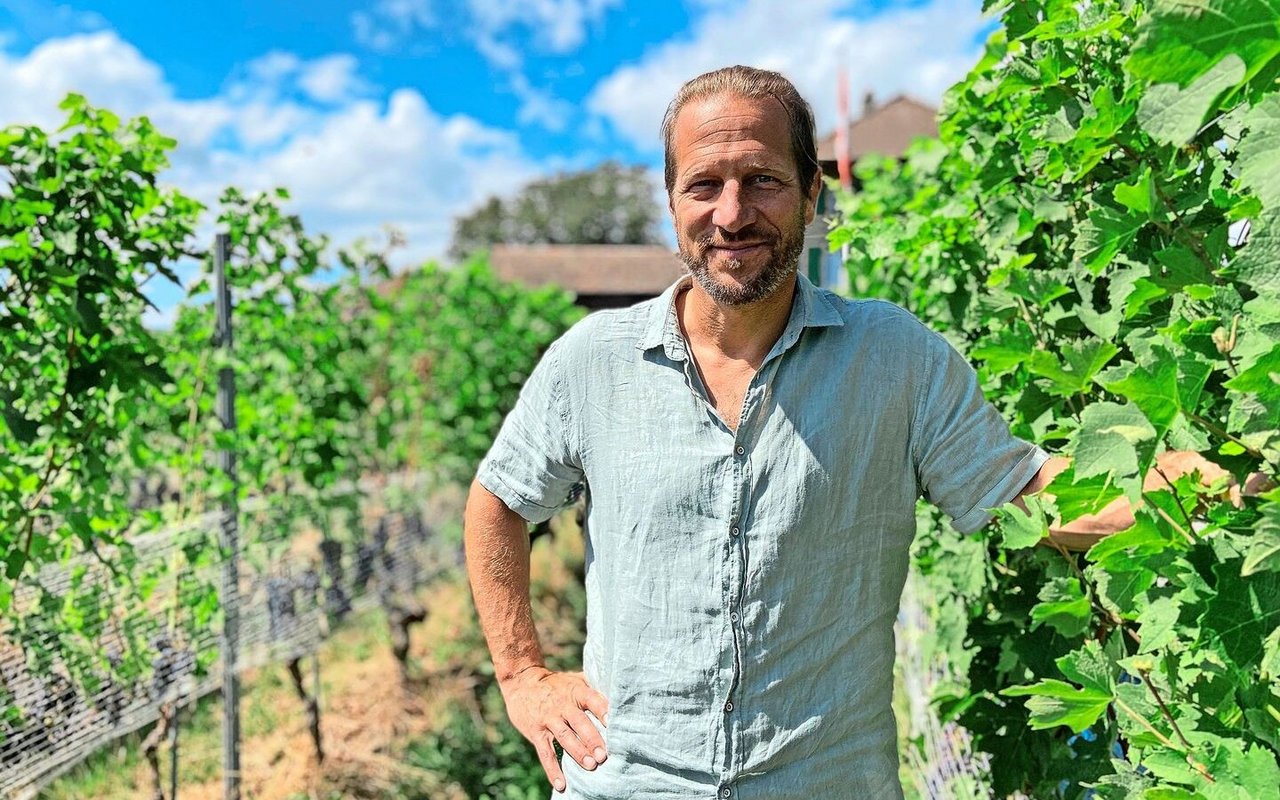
(938, 762)
(60, 704)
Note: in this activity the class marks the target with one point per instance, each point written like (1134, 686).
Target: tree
(609, 204)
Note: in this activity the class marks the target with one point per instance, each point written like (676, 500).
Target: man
(753, 449)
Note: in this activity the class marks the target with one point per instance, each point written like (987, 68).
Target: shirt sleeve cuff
(492, 480)
(1004, 491)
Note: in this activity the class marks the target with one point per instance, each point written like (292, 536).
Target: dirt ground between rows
(368, 714)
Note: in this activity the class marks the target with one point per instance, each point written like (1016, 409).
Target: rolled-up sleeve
(534, 461)
(967, 461)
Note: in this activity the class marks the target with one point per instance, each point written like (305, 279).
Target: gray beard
(784, 259)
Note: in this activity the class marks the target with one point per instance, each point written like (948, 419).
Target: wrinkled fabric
(742, 586)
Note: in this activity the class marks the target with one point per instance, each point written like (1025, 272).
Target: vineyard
(1097, 228)
(348, 383)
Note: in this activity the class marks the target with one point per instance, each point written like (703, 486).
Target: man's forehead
(728, 118)
(728, 110)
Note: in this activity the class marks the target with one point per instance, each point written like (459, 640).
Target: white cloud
(112, 73)
(331, 79)
(501, 31)
(328, 79)
(558, 26)
(918, 50)
(390, 22)
(40, 19)
(538, 107)
(351, 163)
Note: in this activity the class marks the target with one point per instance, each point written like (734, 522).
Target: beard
(783, 260)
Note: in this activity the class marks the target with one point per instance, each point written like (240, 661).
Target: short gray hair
(755, 83)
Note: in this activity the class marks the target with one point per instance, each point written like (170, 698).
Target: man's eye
(764, 179)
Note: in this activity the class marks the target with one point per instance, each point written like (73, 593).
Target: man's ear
(811, 198)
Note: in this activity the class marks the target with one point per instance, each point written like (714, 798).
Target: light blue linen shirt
(742, 586)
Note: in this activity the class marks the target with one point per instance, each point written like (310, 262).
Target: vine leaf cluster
(342, 372)
(1098, 228)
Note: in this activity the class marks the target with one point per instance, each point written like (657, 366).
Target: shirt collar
(810, 308)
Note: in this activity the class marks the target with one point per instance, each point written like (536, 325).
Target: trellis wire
(294, 580)
(940, 762)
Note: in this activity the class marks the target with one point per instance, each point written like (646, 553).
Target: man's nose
(732, 212)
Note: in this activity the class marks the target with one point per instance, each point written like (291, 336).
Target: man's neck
(737, 333)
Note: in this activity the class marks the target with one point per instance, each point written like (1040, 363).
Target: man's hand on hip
(548, 707)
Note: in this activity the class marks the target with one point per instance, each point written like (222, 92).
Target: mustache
(722, 238)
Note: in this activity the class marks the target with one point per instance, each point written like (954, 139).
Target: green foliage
(488, 762)
(1097, 228)
(454, 348)
(609, 204)
(83, 225)
(339, 373)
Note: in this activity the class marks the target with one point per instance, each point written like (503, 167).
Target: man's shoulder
(870, 314)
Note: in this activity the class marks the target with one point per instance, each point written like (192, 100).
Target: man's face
(738, 206)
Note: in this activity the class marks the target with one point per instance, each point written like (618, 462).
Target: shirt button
(734, 531)
(739, 450)
(733, 616)
(726, 792)
(728, 706)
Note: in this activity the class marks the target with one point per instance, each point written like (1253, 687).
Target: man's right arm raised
(544, 706)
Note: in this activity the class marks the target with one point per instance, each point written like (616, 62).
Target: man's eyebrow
(753, 166)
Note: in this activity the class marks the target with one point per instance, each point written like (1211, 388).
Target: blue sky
(410, 112)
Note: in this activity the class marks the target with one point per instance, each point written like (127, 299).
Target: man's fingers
(573, 744)
(589, 699)
(547, 757)
(587, 734)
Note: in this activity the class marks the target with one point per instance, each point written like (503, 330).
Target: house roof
(589, 269)
(884, 129)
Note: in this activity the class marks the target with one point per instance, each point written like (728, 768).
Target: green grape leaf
(1158, 624)
(1063, 607)
(1054, 702)
(1270, 665)
(1107, 441)
(1118, 550)
(1244, 611)
(1258, 160)
(1264, 546)
(1106, 324)
(1022, 529)
(1262, 378)
(1179, 41)
(1172, 115)
(1090, 667)
(1073, 370)
(1164, 388)
(1255, 263)
(1105, 233)
(1004, 352)
(1077, 496)
(1139, 196)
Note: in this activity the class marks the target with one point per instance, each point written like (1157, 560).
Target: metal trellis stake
(230, 534)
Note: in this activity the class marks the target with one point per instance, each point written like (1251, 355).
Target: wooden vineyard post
(230, 534)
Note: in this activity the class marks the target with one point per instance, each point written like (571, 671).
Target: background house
(602, 275)
(883, 129)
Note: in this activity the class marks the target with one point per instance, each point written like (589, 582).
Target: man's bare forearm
(1087, 530)
(546, 707)
(497, 545)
